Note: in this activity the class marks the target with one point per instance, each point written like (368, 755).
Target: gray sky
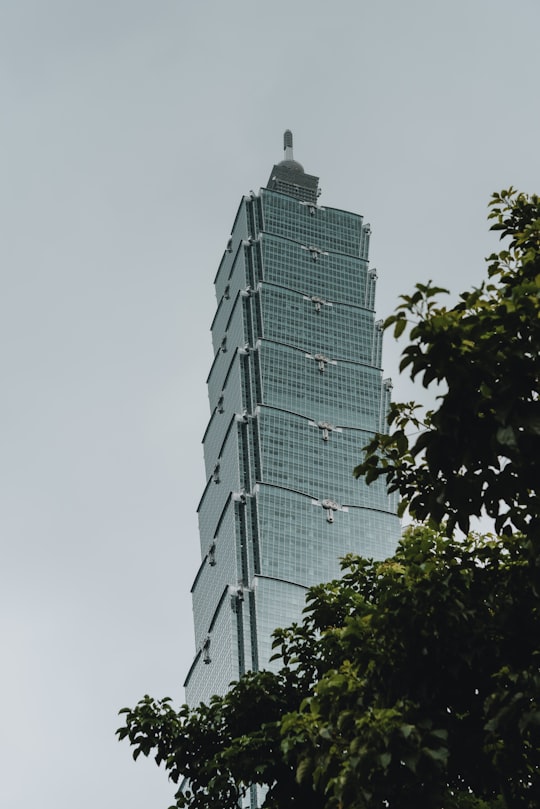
(130, 130)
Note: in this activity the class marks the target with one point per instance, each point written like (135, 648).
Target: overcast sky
(130, 129)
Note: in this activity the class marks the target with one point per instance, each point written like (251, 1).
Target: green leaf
(385, 759)
(440, 754)
(399, 328)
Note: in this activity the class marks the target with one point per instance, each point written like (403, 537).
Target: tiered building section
(296, 391)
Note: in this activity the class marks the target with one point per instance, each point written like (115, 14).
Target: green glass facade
(296, 390)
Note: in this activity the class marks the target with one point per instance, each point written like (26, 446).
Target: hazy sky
(130, 129)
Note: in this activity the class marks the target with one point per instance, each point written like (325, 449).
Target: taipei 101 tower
(296, 390)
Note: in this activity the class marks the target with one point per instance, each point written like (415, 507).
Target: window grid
(298, 544)
(338, 330)
(344, 393)
(294, 455)
(329, 228)
(334, 276)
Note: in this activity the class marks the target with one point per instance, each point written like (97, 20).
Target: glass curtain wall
(296, 390)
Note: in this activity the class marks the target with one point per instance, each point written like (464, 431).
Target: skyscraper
(295, 391)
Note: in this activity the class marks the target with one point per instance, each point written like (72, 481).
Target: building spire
(289, 177)
(288, 159)
(288, 144)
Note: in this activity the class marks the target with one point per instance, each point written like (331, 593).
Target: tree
(414, 681)
(480, 449)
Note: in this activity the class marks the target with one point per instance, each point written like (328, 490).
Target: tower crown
(289, 177)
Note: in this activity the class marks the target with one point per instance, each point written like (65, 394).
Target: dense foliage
(415, 681)
(480, 449)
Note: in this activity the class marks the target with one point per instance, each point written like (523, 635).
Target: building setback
(296, 390)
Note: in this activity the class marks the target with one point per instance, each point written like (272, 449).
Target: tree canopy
(414, 681)
(479, 450)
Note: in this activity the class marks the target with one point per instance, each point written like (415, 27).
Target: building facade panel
(239, 233)
(315, 457)
(209, 511)
(301, 538)
(216, 662)
(311, 225)
(324, 388)
(336, 329)
(237, 281)
(327, 275)
(225, 379)
(278, 603)
(221, 565)
(218, 426)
